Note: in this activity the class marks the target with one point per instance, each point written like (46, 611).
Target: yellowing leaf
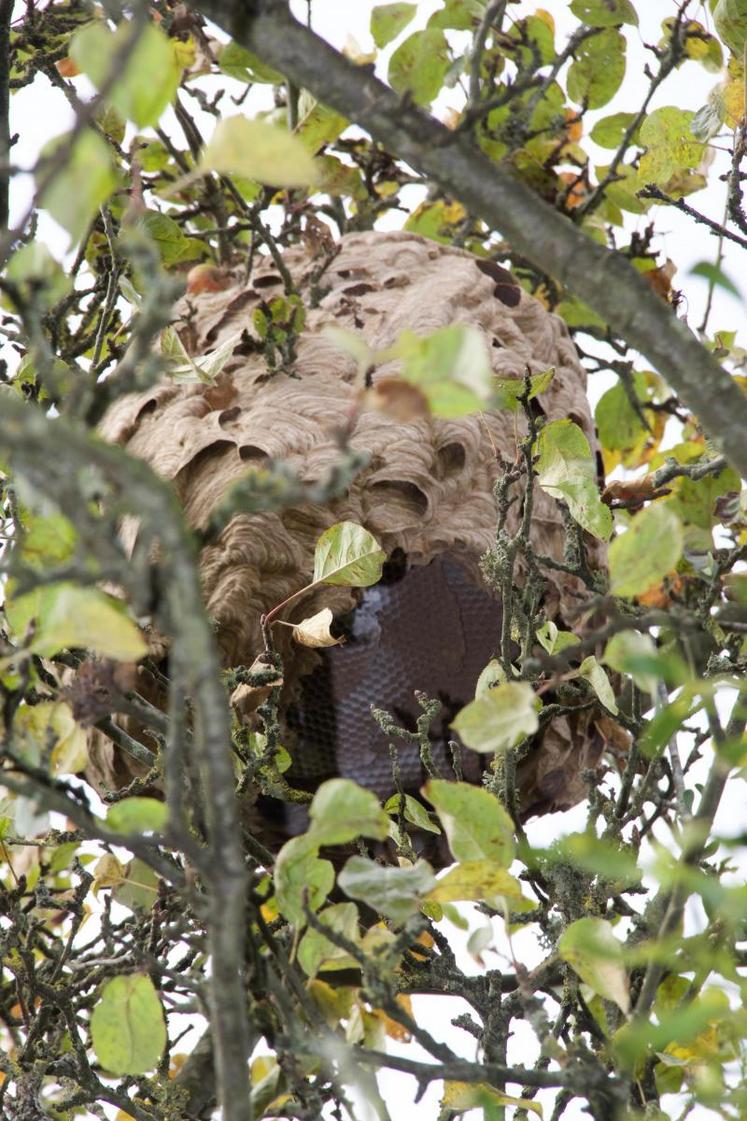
(315, 631)
(67, 616)
(260, 151)
(670, 145)
(127, 1025)
(348, 555)
(646, 552)
(477, 880)
(500, 719)
(461, 1096)
(108, 873)
(592, 950)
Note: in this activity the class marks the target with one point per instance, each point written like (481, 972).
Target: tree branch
(32, 441)
(607, 282)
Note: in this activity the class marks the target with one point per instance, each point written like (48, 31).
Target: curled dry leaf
(247, 698)
(208, 278)
(660, 280)
(631, 493)
(315, 631)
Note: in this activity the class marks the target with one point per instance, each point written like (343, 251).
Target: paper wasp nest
(426, 494)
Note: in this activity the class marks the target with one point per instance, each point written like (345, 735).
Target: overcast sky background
(42, 112)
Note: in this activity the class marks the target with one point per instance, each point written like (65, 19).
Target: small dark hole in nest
(251, 451)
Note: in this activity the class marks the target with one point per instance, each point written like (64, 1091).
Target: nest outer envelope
(427, 491)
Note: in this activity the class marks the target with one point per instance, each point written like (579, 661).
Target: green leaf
(590, 947)
(666, 723)
(566, 470)
(168, 236)
(348, 555)
(500, 719)
(597, 856)
(413, 812)
(730, 21)
(510, 390)
(451, 367)
(419, 65)
(47, 540)
(477, 826)
(320, 126)
(138, 889)
(646, 552)
(83, 183)
(600, 683)
(137, 815)
(127, 1025)
(619, 426)
(460, 15)
(258, 150)
(694, 500)
(715, 276)
(395, 892)
(609, 131)
(598, 69)
(605, 13)
(342, 810)
(67, 616)
(38, 277)
(239, 63)
(151, 74)
(301, 876)
(633, 653)
(641, 1037)
(670, 145)
(388, 20)
(475, 880)
(315, 951)
(555, 640)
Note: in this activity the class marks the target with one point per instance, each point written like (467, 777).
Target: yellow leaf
(460, 1096)
(50, 725)
(108, 873)
(260, 151)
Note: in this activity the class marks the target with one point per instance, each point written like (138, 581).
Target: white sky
(42, 112)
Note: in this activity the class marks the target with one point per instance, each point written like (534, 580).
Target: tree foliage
(198, 147)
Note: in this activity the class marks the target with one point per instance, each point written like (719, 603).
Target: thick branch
(604, 279)
(6, 11)
(32, 441)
